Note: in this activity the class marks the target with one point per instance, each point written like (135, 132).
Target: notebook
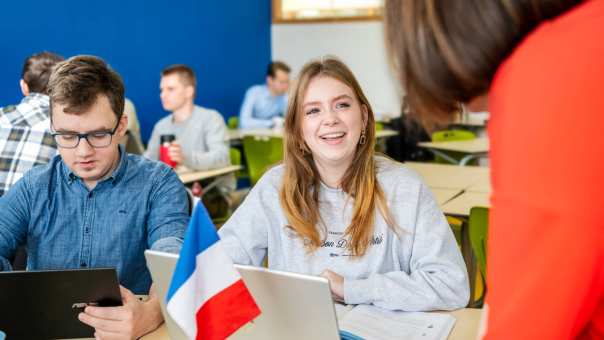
(370, 322)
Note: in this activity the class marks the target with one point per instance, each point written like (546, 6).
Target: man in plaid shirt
(25, 139)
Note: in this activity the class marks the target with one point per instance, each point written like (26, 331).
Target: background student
(264, 105)
(25, 127)
(366, 223)
(541, 64)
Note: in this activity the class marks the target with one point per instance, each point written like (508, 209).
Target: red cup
(164, 155)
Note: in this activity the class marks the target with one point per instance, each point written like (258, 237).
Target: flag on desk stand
(207, 297)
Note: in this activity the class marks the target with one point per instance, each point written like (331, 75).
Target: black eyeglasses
(97, 139)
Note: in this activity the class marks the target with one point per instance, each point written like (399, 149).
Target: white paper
(370, 322)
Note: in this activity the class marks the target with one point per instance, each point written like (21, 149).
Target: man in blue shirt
(264, 105)
(94, 205)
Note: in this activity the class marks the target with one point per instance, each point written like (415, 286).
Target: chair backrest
(452, 135)
(235, 155)
(233, 122)
(478, 225)
(261, 153)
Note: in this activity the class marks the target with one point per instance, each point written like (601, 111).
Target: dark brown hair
(299, 195)
(186, 74)
(37, 69)
(447, 52)
(273, 67)
(78, 81)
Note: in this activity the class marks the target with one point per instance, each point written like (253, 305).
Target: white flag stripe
(214, 272)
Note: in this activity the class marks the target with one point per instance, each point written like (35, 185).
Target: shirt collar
(41, 99)
(115, 176)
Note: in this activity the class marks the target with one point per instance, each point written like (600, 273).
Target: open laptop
(45, 304)
(293, 306)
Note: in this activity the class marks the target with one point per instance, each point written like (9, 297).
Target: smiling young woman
(334, 208)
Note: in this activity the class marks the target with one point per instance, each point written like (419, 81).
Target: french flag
(207, 297)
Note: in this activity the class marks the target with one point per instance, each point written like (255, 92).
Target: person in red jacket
(541, 63)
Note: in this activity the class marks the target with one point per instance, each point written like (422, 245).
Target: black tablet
(45, 304)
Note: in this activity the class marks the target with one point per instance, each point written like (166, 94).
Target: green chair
(478, 223)
(235, 155)
(450, 136)
(233, 122)
(260, 154)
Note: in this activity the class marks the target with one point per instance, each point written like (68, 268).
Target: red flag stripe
(226, 312)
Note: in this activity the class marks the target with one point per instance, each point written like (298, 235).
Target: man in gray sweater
(201, 135)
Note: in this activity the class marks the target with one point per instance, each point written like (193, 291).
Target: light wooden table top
(236, 134)
(462, 204)
(473, 146)
(442, 196)
(466, 326)
(448, 176)
(482, 185)
(188, 176)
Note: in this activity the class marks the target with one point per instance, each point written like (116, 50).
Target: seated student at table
(264, 105)
(94, 205)
(24, 128)
(201, 134)
(366, 223)
(132, 141)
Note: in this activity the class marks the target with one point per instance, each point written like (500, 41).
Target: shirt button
(83, 264)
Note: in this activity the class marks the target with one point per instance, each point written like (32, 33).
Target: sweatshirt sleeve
(216, 140)
(437, 277)
(245, 234)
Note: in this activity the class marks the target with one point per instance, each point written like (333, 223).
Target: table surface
(462, 204)
(448, 176)
(472, 146)
(466, 326)
(188, 176)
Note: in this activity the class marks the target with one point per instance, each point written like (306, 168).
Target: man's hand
(336, 283)
(175, 153)
(130, 321)
(278, 122)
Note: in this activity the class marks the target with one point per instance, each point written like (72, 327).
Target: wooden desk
(466, 326)
(474, 148)
(446, 176)
(461, 205)
(468, 322)
(238, 134)
(189, 176)
(442, 196)
(483, 184)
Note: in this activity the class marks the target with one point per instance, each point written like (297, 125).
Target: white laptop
(294, 306)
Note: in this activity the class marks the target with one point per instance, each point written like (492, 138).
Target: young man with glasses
(95, 205)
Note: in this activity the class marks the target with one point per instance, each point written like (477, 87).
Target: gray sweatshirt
(420, 271)
(203, 138)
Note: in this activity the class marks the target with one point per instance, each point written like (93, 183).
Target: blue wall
(226, 42)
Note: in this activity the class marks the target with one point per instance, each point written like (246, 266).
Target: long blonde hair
(299, 193)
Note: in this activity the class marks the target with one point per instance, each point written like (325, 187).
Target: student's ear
(24, 88)
(123, 126)
(365, 113)
(190, 91)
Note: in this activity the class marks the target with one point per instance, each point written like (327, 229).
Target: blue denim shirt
(141, 205)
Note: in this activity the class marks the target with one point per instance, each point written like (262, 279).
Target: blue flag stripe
(201, 234)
